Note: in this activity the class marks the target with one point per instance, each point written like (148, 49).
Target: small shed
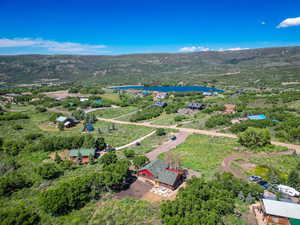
(83, 153)
(89, 127)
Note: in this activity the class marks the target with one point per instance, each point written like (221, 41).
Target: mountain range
(265, 66)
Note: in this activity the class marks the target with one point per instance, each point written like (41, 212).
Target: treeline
(13, 116)
(36, 142)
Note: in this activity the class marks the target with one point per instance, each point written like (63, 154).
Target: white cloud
(194, 49)
(263, 23)
(51, 46)
(290, 22)
(232, 49)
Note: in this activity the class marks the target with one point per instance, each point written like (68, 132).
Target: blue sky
(145, 26)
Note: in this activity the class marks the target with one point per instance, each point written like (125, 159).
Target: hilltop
(263, 67)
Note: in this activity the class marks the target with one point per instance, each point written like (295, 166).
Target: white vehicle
(288, 190)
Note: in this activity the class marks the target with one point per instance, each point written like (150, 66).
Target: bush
(49, 171)
(41, 109)
(129, 153)
(108, 158)
(19, 215)
(255, 137)
(146, 114)
(64, 197)
(140, 161)
(219, 120)
(179, 118)
(13, 116)
(160, 132)
(12, 182)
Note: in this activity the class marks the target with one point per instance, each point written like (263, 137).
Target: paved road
(136, 141)
(167, 146)
(196, 131)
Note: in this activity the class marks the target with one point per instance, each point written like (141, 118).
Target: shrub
(49, 171)
(12, 182)
(13, 116)
(41, 109)
(19, 215)
(108, 158)
(218, 120)
(140, 161)
(179, 118)
(129, 153)
(255, 137)
(160, 132)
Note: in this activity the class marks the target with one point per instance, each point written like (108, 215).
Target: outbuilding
(84, 154)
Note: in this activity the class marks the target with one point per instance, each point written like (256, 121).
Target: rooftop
(83, 152)
(282, 209)
(159, 169)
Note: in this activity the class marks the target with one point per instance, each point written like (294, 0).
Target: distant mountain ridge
(149, 68)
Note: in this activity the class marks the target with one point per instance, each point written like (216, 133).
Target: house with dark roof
(160, 104)
(195, 106)
(84, 154)
(158, 173)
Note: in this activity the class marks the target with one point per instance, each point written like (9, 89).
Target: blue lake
(171, 88)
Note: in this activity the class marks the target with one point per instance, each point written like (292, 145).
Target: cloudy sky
(145, 26)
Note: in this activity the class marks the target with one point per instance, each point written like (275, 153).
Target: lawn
(150, 143)
(110, 113)
(204, 153)
(123, 134)
(114, 97)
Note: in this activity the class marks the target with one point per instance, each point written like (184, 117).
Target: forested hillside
(266, 66)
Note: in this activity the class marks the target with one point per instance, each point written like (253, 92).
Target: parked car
(288, 190)
(264, 184)
(254, 178)
(173, 138)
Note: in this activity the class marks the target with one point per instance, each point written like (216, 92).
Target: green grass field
(123, 134)
(204, 153)
(110, 113)
(114, 97)
(149, 144)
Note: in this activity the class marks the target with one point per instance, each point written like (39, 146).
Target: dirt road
(167, 146)
(196, 131)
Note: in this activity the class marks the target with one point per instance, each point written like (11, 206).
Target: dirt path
(167, 146)
(136, 141)
(196, 131)
(237, 173)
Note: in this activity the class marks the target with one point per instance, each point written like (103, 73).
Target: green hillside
(264, 67)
